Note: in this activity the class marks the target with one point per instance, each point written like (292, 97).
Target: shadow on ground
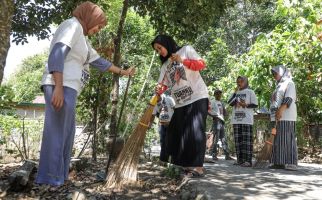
(227, 181)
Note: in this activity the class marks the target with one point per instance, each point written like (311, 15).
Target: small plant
(172, 171)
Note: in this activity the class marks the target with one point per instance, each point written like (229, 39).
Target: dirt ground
(223, 180)
(227, 181)
(153, 184)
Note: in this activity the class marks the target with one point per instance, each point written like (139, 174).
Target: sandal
(246, 164)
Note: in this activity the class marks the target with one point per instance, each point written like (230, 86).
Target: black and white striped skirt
(285, 147)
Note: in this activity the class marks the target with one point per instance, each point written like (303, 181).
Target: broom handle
(117, 126)
(273, 133)
(153, 102)
(123, 103)
(274, 129)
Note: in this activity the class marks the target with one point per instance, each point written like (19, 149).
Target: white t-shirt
(217, 109)
(76, 72)
(165, 108)
(244, 115)
(284, 89)
(187, 86)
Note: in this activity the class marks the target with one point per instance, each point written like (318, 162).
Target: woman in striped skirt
(243, 101)
(283, 116)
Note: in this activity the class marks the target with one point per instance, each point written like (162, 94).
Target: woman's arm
(56, 67)
(285, 104)
(101, 64)
(57, 57)
(193, 60)
(57, 99)
(105, 65)
(195, 65)
(232, 100)
(117, 70)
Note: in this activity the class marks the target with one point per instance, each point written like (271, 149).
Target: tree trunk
(24, 139)
(116, 60)
(6, 14)
(115, 91)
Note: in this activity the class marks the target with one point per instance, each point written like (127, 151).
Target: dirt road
(227, 181)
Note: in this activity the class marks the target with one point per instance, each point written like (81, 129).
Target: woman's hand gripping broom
(124, 171)
(263, 157)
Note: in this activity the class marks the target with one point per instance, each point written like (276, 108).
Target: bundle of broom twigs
(124, 171)
(263, 157)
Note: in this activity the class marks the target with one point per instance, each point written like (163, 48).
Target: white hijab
(278, 95)
(283, 72)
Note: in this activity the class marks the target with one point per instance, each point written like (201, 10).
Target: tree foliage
(292, 43)
(33, 18)
(183, 19)
(235, 38)
(6, 97)
(233, 34)
(25, 83)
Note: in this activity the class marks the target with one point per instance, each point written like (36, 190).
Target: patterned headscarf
(168, 43)
(89, 15)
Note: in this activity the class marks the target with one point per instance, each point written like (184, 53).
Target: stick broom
(124, 170)
(263, 157)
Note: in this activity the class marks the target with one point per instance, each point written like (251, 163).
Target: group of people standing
(183, 130)
(283, 116)
(184, 139)
(243, 102)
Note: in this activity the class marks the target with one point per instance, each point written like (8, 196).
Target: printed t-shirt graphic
(244, 115)
(187, 86)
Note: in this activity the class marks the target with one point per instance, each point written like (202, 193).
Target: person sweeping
(283, 116)
(185, 138)
(64, 77)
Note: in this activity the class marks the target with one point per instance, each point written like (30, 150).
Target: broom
(125, 168)
(263, 157)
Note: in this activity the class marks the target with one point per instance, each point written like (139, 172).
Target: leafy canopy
(292, 43)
